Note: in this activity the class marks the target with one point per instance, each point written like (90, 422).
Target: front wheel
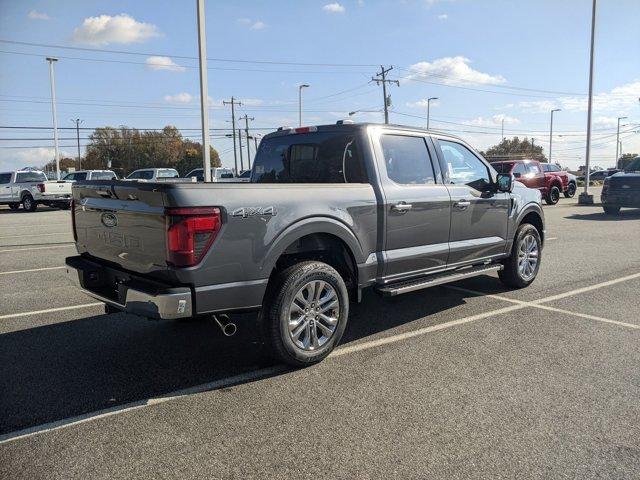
(29, 204)
(307, 313)
(553, 196)
(522, 266)
(609, 210)
(571, 190)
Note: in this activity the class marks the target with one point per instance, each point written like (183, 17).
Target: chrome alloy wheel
(313, 315)
(528, 255)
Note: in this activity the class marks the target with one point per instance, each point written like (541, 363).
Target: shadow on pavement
(71, 368)
(631, 214)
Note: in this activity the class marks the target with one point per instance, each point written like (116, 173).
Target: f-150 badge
(246, 212)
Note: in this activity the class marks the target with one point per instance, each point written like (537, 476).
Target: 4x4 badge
(246, 212)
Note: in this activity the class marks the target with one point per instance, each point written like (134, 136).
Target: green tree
(626, 159)
(515, 149)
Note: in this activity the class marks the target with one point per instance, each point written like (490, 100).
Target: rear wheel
(553, 196)
(611, 210)
(571, 190)
(29, 204)
(14, 206)
(521, 268)
(307, 313)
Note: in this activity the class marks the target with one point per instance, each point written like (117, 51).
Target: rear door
(478, 212)
(417, 205)
(5, 186)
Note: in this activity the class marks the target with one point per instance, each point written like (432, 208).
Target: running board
(436, 279)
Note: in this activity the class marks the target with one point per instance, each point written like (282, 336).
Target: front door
(417, 206)
(5, 187)
(479, 213)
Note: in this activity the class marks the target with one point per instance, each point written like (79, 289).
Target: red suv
(531, 172)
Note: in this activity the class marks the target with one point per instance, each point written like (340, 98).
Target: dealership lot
(457, 381)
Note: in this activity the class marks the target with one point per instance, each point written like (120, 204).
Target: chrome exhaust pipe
(228, 328)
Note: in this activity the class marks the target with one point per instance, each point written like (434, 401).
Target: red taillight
(305, 129)
(190, 234)
(72, 207)
(40, 187)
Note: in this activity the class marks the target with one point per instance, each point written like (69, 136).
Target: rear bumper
(621, 199)
(129, 293)
(60, 198)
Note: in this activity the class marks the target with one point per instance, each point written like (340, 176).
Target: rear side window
(80, 176)
(309, 158)
(5, 178)
(103, 176)
(407, 160)
(167, 174)
(26, 177)
(533, 168)
(142, 174)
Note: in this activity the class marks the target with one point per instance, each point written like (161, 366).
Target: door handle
(462, 204)
(401, 207)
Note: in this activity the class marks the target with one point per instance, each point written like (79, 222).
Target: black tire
(510, 275)
(553, 195)
(108, 309)
(64, 206)
(571, 190)
(277, 311)
(14, 206)
(28, 203)
(611, 210)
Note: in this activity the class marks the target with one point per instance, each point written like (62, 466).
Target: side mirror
(504, 182)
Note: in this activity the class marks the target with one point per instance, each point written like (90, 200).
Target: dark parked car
(622, 189)
(329, 211)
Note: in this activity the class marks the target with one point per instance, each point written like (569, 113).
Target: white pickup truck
(31, 188)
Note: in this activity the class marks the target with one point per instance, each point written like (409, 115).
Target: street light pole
(300, 87)
(502, 131)
(585, 198)
(429, 109)
(618, 141)
(204, 89)
(551, 132)
(77, 121)
(52, 81)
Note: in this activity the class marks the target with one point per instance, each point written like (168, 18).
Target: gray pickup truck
(329, 211)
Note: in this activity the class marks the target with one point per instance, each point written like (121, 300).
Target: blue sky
(485, 60)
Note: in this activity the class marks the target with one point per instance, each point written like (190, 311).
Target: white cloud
(28, 157)
(258, 25)
(163, 63)
(606, 121)
(444, 16)
(252, 24)
(453, 71)
(244, 21)
(34, 15)
(422, 103)
(106, 29)
(182, 97)
(494, 121)
(333, 8)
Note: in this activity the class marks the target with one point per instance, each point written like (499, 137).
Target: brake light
(72, 207)
(40, 187)
(305, 129)
(190, 234)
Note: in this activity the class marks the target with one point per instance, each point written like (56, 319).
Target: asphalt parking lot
(467, 380)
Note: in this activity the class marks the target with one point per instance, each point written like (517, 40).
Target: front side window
(26, 177)
(5, 178)
(80, 176)
(407, 160)
(463, 167)
(534, 169)
(103, 176)
(519, 169)
(167, 174)
(142, 175)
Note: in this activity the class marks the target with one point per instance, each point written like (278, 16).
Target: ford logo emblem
(109, 220)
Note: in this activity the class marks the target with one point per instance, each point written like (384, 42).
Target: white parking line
(257, 374)
(36, 235)
(49, 310)
(31, 270)
(71, 244)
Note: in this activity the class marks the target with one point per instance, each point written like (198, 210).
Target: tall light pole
(52, 81)
(618, 140)
(77, 121)
(551, 132)
(204, 89)
(429, 109)
(300, 87)
(502, 130)
(584, 198)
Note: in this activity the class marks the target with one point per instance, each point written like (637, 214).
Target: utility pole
(77, 121)
(618, 141)
(233, 103)
(300, 87)
(246, 132)
(52, 80)
(429, 109)
(551, 132)
(204, 89)
(584, 198)
(503, 129)
(240, 147)
(381, 78)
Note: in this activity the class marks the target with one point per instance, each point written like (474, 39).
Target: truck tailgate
(123, 224)
(57, 188)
